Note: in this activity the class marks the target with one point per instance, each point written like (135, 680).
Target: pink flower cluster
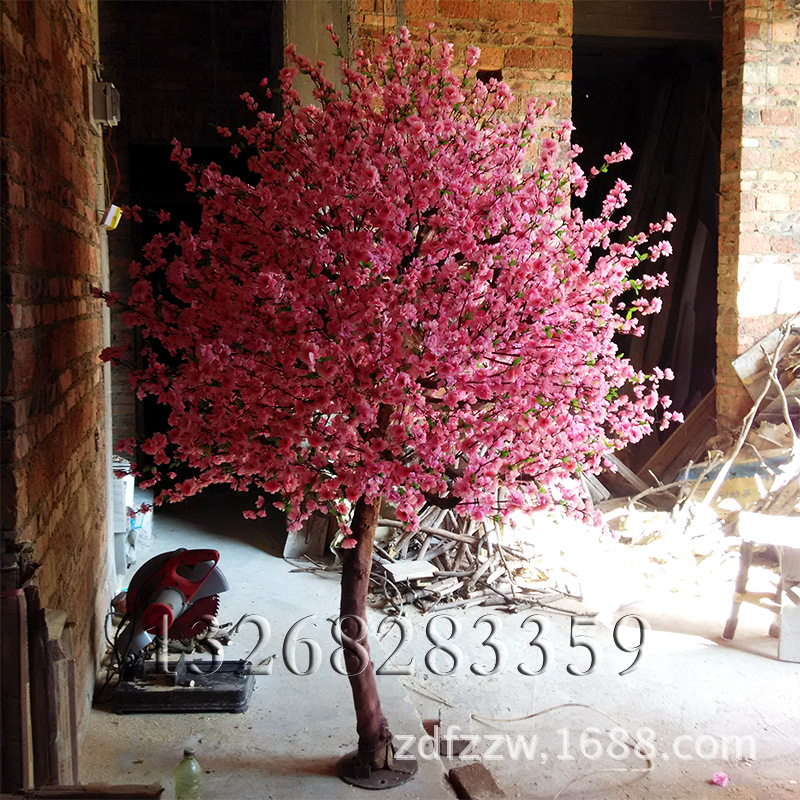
(395, 303)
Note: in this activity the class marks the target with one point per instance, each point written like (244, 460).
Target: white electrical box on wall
(105, 106)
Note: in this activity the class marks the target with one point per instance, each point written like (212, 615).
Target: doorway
(648, 74)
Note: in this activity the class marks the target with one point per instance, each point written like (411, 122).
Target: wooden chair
(774, 542)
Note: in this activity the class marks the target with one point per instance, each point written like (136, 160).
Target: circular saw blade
(196, 620)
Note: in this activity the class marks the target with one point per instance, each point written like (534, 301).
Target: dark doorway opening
(648, 74)
(180, 68)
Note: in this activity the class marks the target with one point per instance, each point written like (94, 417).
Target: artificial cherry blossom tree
(399, 304)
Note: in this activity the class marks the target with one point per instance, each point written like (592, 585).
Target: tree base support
(352, 769)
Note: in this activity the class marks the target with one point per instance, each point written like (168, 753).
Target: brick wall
(759, 276)
(530, 41)
(54, 477)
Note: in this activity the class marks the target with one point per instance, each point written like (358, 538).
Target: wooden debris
(99, 791)
(629, 475)
(408, 570)
(753, 366)
(687, 442)
(450, 561)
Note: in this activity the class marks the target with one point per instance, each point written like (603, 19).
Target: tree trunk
(374, 736)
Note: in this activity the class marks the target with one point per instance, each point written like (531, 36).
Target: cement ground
(696, 704)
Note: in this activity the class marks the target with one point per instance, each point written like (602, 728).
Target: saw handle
(188, 558)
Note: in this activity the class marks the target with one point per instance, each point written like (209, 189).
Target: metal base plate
(351, 771)
(228, 689)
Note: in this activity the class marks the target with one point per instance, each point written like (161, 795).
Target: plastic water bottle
(187, 777)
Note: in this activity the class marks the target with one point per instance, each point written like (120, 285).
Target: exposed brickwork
(759, 275)
(529, 40)
(53, 482)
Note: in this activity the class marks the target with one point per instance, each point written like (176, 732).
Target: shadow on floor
(218, 511)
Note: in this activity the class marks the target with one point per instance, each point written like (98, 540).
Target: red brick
(783, 244)
(789, 75)
(506, 10)
(752, 29)
(43, 36)
(546, 13)
(48, 230)
(10, 240)
(16, 195)
(459, 9)
(23, 365)
(754, 244)
(420, 8)
(553, 59)
(519, 57)
(779, 116)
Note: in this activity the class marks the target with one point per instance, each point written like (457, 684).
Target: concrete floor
(691, 698)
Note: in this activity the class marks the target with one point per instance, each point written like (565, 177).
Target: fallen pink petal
(720, 779)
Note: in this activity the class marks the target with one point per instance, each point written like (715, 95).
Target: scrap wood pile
(767, 443)
(758, 470)
(450, 561)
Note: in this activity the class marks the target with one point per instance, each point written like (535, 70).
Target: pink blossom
(113, 354)
(623, 154)
(127, 445)
(401, 291)
(109, 297)
(349, 543)
(720, 779)
(132, 212)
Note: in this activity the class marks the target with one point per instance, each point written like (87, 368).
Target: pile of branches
(451, 561)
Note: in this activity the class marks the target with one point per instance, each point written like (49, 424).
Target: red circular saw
(174, 595)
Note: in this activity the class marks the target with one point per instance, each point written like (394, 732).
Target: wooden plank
(769, 529)
(686, 436)
(99, 791)
(683, 343)
(666, 19)
(646, 158)
(752, 367)
(60, 655)
(688, 153)
(659, 196)
(44, 701)
(444, 587)
(789, 643)
(775, 406)
(15, 732)
(790, 559)
(485, 567)
(594, 488)
(409, 570)
(630, 476)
